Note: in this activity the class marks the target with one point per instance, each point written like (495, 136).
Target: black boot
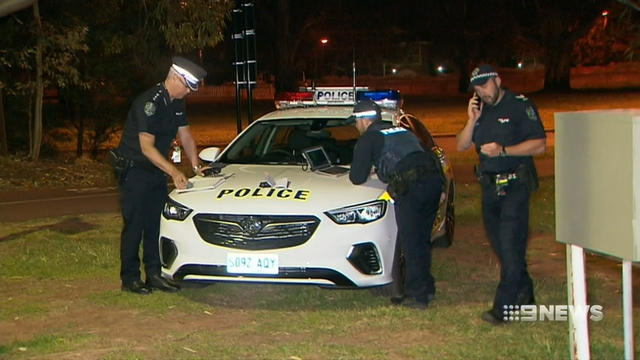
(160, 283)
(137, 287)
(493, 319)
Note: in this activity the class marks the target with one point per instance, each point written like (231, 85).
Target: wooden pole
(3, 131)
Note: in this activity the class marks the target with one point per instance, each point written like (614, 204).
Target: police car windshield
(280, 142)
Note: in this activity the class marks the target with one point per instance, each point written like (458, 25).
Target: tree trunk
(3, 131)
(463, 81)
(78, 114)
(37, 113)
(557, 68)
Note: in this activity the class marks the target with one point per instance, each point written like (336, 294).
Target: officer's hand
(179, 180)
(491, 149)
(475, 108)
(201, 170)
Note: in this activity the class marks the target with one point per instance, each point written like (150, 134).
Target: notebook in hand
(319, 162)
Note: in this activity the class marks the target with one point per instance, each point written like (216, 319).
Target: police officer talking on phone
(152, 123)
(415, 181)
(507, 131)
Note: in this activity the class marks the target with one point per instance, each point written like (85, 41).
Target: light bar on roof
(388, 99)
(337, 96)
(288, 100)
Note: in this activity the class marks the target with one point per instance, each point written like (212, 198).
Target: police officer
(152, 123)
(415, 181)
(507, 132)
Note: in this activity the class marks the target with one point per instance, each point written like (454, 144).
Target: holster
(529, 176)
(483, 179)
(397, 186)
(119, 164)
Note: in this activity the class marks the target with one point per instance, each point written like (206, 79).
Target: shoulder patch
(149, 108)
(531, 113)
(521, 97)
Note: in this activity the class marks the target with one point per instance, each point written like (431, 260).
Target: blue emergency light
(388, 99)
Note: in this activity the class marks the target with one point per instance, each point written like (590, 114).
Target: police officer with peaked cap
(415, 181)
(152, 123)
(507, 132)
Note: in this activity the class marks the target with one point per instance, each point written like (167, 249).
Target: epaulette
(157, 94)
(522, 97)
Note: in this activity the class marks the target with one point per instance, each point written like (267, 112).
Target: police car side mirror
(210, 154)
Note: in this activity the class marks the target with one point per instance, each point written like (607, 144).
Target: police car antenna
(354, 73)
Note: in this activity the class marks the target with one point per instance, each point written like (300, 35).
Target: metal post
(237, 37)
(577, 292)
(627, 309)
(250, 52)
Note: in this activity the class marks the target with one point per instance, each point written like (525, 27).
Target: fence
(262, 92)
(524, 81)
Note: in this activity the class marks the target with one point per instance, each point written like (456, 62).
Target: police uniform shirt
(152, 112)
(509, 122)
(368, 150)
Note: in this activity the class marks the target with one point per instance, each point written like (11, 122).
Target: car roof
(322, 112)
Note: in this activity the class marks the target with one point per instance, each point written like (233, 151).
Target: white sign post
(597, 189)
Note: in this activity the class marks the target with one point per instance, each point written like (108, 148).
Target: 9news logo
(551, 312)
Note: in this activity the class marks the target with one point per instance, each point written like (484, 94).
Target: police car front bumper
(336, 256)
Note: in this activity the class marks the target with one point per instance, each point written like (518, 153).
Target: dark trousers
(142, 197)
(416, 212)
(506, 221)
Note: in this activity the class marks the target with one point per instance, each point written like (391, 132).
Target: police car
(272, 211)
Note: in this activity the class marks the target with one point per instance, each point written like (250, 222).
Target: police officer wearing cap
(415, 180)
(507, 133)
(152, 123)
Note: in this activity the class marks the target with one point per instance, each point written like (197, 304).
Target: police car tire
(395, 289)
(446, 240)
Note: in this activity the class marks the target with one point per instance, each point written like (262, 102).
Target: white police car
(265, 215)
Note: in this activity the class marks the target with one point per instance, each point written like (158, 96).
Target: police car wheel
(395, 289)
(446, 240)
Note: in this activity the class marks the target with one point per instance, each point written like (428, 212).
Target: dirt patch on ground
(19, 173)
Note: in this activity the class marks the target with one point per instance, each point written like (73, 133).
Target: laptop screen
(317, 158)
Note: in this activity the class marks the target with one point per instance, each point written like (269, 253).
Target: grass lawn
(60, 298)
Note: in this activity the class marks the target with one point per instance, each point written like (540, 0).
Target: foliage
(609, 39)
(93, 49)
(192, 25)
(556, 26)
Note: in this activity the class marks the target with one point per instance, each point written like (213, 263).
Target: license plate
(252, 263)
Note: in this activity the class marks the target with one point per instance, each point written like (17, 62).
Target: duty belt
(411, 174)
(399, 183)
(500, 181)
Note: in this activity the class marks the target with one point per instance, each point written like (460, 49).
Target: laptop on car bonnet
(319, 162)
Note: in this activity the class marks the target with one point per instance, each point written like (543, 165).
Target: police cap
(366, 109)
(190, 72)
(481, 74)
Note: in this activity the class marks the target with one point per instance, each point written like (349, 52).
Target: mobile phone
(478, 100)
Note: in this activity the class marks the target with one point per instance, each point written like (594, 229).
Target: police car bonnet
(192, 73)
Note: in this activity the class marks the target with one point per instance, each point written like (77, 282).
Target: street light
(320, 53)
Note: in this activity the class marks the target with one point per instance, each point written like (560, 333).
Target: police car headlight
(358, 214)
(175, 211)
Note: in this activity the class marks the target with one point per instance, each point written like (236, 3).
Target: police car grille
(255, 232)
